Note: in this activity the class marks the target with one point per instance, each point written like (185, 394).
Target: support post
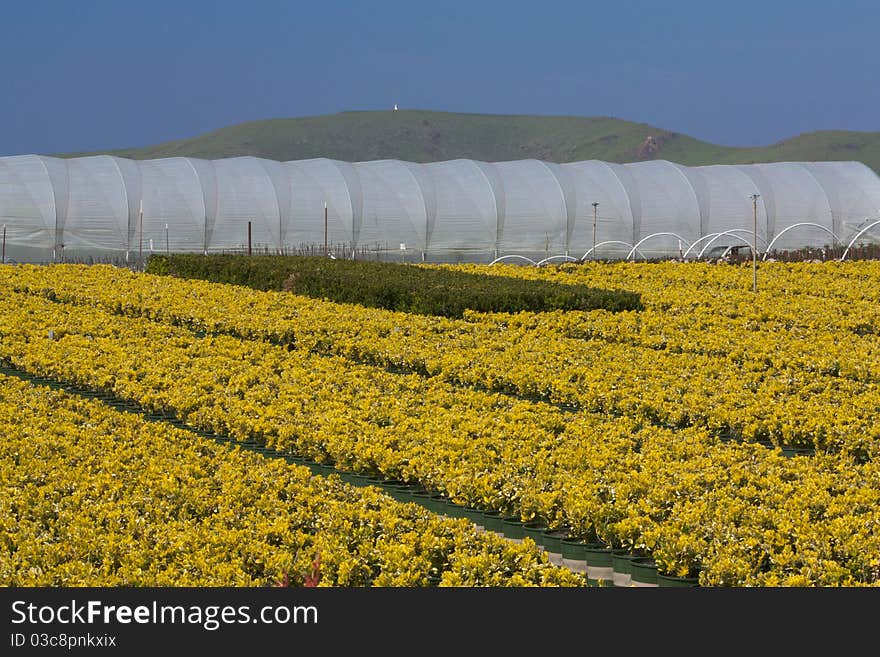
(141, 231)
(755, 242)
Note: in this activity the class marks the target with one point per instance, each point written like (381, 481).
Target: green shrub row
(405, 288)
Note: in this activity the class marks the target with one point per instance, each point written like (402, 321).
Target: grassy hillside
(423, 136)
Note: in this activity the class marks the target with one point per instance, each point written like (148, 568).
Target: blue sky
(97, 74)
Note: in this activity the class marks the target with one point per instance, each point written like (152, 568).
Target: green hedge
(407, 288)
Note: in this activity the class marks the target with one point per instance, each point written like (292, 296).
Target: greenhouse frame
(110, 208)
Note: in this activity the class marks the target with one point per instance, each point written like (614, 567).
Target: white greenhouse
(108, 208)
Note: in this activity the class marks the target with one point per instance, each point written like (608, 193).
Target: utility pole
(325, 228)
(593, 252)
(249, 238)
(754, 198)
(167, 249)
(4, 244)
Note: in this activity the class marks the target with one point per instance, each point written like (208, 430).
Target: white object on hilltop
(395, 107)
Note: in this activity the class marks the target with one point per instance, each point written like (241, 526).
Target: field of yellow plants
(667, 431)
(96, 497)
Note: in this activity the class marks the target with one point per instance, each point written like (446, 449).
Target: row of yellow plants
(745, 342)
(737, 514)
(813, 297)
(670, 282)
(95, 497)
(783, 326)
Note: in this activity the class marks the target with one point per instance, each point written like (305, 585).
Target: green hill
(424, 136)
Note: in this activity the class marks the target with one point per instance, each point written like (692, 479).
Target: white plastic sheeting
(726, 198)
(467, 214)
(107, 207)
(666, 206)
(173, 196)
(598, 182)
(534, 221)
(28, 206)
(313, 183)
(792, 195)
(98, 209)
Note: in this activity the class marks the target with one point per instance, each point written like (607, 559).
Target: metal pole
(755, 242)
(249, 238)
(593, 252)
(325, 227)
(141, 230)
(4, 244)
(167, 248)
